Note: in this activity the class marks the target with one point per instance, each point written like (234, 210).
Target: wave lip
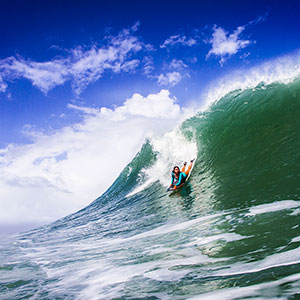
(284, 69)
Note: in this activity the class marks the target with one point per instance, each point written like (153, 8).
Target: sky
(84, 83)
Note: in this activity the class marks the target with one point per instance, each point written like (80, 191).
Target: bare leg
(188, 169)
(183, 168)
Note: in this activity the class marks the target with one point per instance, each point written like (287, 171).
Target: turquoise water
(232, 232)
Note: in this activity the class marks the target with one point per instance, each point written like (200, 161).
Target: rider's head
(176, 169)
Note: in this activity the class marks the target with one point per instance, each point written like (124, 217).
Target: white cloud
(64, 171)
(159, 106)
(44, 76)
(3, 85)
(178, 40)
(225, 44)
(177, 71)
(81, 67)
(193, 60)
(169, 79)
(154, 106)
(90, 65)
(148, 65)
(171, 73)
(177, 64)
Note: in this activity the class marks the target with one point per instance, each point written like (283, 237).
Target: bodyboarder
(179, 177)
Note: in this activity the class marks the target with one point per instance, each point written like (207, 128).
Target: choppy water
(232, 232)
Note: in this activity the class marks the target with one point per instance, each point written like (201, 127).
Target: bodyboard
(180, 186)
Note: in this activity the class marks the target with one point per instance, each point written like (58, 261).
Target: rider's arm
(180, 179)
(172, 179)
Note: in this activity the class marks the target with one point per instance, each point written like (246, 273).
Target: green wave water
(232, 232)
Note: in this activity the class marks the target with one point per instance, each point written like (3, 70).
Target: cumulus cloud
(61, 172)
(160, 106)
(178, 39)
(225, 44)
(81, 67)
(169, 79)
(155, 105)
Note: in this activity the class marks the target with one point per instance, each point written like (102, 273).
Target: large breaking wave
(232, 232)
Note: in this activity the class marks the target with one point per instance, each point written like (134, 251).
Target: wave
(246, 146)
(232, 231)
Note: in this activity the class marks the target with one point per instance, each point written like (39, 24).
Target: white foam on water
(272, 207)
(295, 212)
(296, 239)
(158, 250)
(284, 70)
(164, 229)
(172, 149)
(102, 279)
(248, 291)
(228, 237)
(286, 258)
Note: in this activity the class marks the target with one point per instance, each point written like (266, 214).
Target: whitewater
(232, 232)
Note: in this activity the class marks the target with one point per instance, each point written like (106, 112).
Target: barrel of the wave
(249, 145)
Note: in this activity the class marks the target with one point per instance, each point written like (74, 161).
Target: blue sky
(46, 31)
(83, 83)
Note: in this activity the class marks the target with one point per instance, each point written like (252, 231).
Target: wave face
(232, 232)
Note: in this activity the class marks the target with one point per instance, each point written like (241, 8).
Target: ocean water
(232, 232)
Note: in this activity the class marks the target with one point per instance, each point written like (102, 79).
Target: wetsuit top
(181, 179)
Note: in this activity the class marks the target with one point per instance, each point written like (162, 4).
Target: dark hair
(175, 168)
